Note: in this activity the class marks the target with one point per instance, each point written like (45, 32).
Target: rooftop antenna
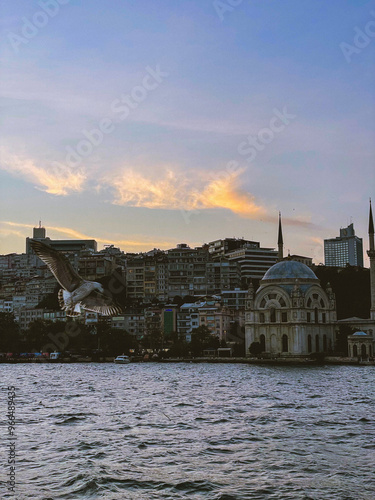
(40, 223)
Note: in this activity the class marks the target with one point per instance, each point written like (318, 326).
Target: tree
(255, 348)
(117, 341)
(177, 299)
(50, 301)
(36, 336)
(342, 339)
(9, 333)
(236, 333)
(153, 339)
(202, 338)
(188, 299)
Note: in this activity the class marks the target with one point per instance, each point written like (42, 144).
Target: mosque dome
(289, 270)
(360, 334)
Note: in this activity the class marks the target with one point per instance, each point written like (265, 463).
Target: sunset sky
(150, 123)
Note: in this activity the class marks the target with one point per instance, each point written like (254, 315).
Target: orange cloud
(224, 193)
(174, 191)
(55, 179)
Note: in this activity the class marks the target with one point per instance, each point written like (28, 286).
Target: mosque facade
(290, 314)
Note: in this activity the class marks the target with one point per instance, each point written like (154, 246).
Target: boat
(122, 360)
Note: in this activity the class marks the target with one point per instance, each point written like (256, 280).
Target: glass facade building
(344, 249)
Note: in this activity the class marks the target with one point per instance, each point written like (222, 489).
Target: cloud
(55, 179)
(179, 192)
(301, 221)
(10, 232)
(225, 193)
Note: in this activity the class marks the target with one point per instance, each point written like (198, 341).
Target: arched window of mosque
(363, 350)
(324, 317)
(355, 351)
(284, 317)
(282, 302)
(285, 343)
(322, 303)
(261, 317)
(262, 341)
(309, 317)
(316, 315)
(263, 303)
(309, 302)
(309, 343)
(273, 315)
(324, 343)
(315, 296)
(317, 348)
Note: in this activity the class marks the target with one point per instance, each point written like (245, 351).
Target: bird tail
(73, 311)
(66, 304)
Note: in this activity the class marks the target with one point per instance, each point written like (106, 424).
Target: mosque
(291, 315)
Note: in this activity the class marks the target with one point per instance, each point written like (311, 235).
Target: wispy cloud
(10, 232)
(201, 190)
(179, 192)
(55, 179)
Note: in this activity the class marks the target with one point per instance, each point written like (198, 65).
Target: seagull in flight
(76, 293)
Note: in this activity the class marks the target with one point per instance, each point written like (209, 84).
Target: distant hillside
(351, 286)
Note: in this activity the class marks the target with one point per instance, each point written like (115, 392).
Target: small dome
(360, 334)
(289, 269)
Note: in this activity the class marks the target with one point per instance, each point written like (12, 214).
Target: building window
(355, 351)
(273, 315)
(309, 344)
(317, 348)
(324, 343)
(285, 343)
(284, 317)
(363, 350)
(324, 319)
(316, 315)
(309, 317)
(261, 317)
(262, 340)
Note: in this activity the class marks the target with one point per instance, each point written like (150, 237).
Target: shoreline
(249, 361)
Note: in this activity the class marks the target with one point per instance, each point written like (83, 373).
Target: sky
(148, 123)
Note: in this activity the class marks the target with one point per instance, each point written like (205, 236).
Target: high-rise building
(253, 260)
(344, 249)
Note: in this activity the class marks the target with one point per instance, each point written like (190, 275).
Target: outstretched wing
(100, 303)
(58, 264)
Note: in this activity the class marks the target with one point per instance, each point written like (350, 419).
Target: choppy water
(192, 431)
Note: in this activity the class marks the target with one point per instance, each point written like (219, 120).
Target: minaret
(371, 254)
(280, 242)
